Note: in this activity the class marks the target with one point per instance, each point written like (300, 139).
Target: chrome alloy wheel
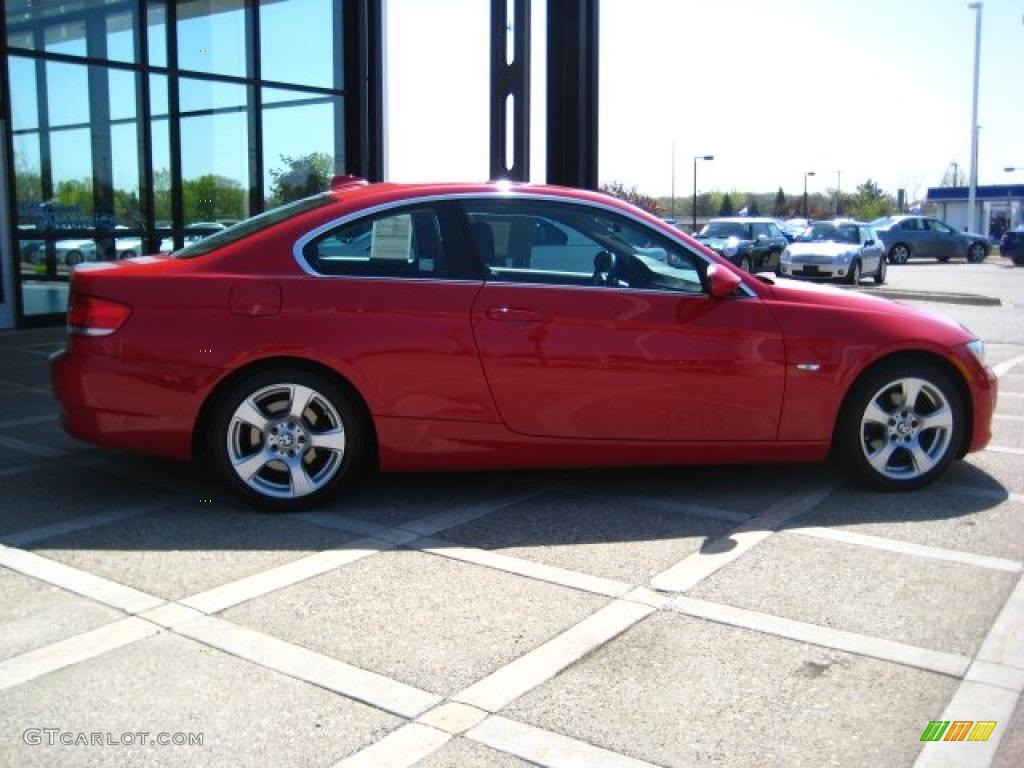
(286, 441)
(906, 429)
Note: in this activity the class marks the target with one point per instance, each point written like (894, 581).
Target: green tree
(211, 197)
(75, 192)
(634, 196)
(779, 209)
(726, 207)
(752, 207)
(300, 176)
(870, 202)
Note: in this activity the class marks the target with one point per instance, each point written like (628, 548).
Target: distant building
(999, 207)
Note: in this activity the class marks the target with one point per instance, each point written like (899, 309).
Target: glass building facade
(135, 126)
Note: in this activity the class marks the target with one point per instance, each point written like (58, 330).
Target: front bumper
(830, 271)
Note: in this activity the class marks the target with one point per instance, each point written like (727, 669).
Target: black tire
(879, 276)
(73, 258)
(901, 442)
(942, 259)
(976, 253)
(853, 276)
(272, 486)
(745, 264)
(899, 254)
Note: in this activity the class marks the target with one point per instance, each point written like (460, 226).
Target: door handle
(514, 315)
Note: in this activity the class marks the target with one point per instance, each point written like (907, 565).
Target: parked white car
(841, 249)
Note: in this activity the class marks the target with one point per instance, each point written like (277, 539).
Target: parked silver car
(906, 237)
(838, 249)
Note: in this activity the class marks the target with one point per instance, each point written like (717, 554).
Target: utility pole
(972, 191)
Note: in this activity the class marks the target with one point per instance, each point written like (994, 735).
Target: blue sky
(871, 88)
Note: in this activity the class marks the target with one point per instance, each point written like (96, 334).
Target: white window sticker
(392, 238)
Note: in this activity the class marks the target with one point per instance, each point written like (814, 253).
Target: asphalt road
(733, 616)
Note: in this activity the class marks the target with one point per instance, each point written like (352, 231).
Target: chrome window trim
(304, 240)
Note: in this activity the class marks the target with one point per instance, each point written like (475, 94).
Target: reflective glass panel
(297, 42)
(211, 36)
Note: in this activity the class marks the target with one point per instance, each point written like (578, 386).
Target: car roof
(744, 219)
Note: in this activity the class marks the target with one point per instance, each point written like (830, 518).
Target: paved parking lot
(730, 616)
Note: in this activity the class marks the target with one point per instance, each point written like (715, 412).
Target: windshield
(726, 229)
(830, 233)
(250, 226)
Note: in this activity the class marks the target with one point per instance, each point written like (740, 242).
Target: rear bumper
(138, 406)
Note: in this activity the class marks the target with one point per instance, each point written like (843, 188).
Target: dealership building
(136, 126)
(998, 207)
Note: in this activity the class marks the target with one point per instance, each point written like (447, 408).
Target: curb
(945, 298)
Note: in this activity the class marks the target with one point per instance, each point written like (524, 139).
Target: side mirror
(869, 242)
(722, 281)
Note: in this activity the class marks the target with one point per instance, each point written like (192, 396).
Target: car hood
(821, 249)
(718, 243)
(799, 292)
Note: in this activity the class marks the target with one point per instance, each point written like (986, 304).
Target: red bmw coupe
(482, 326)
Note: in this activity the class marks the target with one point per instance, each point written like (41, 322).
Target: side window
(938, 226)
(403, 243)
(529, 241)
(774, 231)
(761, 229)
(912, 225)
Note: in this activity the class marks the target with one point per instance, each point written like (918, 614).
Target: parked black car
(1012, 245)
(907, 237)
(753, 244)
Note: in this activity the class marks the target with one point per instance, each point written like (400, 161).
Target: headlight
(786, 256)
(977, 348)
(844, 258)
(731, 246)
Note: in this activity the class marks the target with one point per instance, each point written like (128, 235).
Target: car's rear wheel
(286, 439)
(902, 425)
(853, 276)
(73, 258)
(976, 253)
(880, 273)
(899, 254)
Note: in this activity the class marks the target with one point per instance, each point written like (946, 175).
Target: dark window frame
(452, 238)
(356, 118)
(550, 278)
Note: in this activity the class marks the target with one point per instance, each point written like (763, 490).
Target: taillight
(93, 316)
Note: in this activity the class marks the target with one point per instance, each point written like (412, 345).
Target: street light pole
(806, 174)
(972, 191)
(673, 183)
(695, 159)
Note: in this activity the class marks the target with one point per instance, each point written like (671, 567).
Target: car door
(872, 250)
(944, 240)
(763, 248)
(915, 234)
(631, 348)
(392, 309)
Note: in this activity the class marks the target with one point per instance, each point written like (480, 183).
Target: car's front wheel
(879, 277)
(285, 439)
(853, 276)
(902, 425)
(976, 253)
(899, 254)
